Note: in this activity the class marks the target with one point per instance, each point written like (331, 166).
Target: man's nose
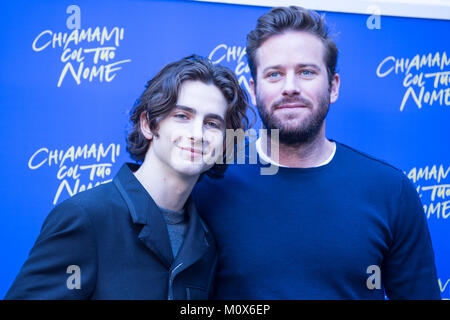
(196, 132)
(291, 85)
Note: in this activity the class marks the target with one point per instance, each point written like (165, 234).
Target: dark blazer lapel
(195, 243)
(144, 211)
(155, 236)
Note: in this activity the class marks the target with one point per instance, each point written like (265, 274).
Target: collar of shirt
(267, 159)
(173, 216)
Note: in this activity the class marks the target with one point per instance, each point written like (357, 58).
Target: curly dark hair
(161, 94)
(282, 19)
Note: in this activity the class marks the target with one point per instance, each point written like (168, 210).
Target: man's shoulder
(94, 197)
(375, 174)
(367, 162)
(93, 204)
(237, 180)
(236, 173)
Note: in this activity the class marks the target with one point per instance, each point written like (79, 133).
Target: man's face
(191, 136)
(292, 90)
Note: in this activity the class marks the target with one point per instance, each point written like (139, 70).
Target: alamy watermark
(374, 21)
(74, 280)
(374, 280)
(237, 143)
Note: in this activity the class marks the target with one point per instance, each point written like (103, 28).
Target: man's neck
(168, 189)
(305, 155)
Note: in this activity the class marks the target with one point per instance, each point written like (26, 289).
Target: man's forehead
(198, 97)
(293, 47)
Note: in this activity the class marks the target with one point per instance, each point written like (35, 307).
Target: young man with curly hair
(139, 236)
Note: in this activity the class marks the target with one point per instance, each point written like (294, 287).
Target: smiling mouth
(191, 150)
(290, 106)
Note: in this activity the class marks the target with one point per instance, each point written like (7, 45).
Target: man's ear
(145, 127)
(334, 90)
(252, 91)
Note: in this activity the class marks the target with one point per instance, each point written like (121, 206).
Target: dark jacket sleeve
(63, 262)
(409, 270)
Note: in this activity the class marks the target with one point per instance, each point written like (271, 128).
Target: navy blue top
(317, 233)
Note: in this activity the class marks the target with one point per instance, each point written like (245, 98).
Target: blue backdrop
(66, 93)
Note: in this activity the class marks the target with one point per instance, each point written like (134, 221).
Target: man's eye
(212, 124)
(180, 116)
(307, 72)
(274, 74)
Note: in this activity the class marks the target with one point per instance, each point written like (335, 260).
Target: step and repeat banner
(71, 72)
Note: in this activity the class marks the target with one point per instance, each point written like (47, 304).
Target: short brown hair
(282, 19)
(161, 94)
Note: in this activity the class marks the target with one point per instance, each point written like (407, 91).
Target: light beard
(304, 132)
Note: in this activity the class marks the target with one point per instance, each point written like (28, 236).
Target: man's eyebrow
(300, 65)
(313, 65)
(188, 109)
(209, 115)
(271, 67)
(215, 116)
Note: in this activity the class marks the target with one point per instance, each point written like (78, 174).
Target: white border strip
(430, 9)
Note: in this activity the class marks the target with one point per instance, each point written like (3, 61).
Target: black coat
(117, 238)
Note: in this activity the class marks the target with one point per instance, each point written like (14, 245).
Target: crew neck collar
(267, 159)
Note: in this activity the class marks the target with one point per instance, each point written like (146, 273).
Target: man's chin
(297, 134)
(190, 168)
(289, 128)
(290, 121)
(297, 138)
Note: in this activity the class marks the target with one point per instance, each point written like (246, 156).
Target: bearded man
(332, 223)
